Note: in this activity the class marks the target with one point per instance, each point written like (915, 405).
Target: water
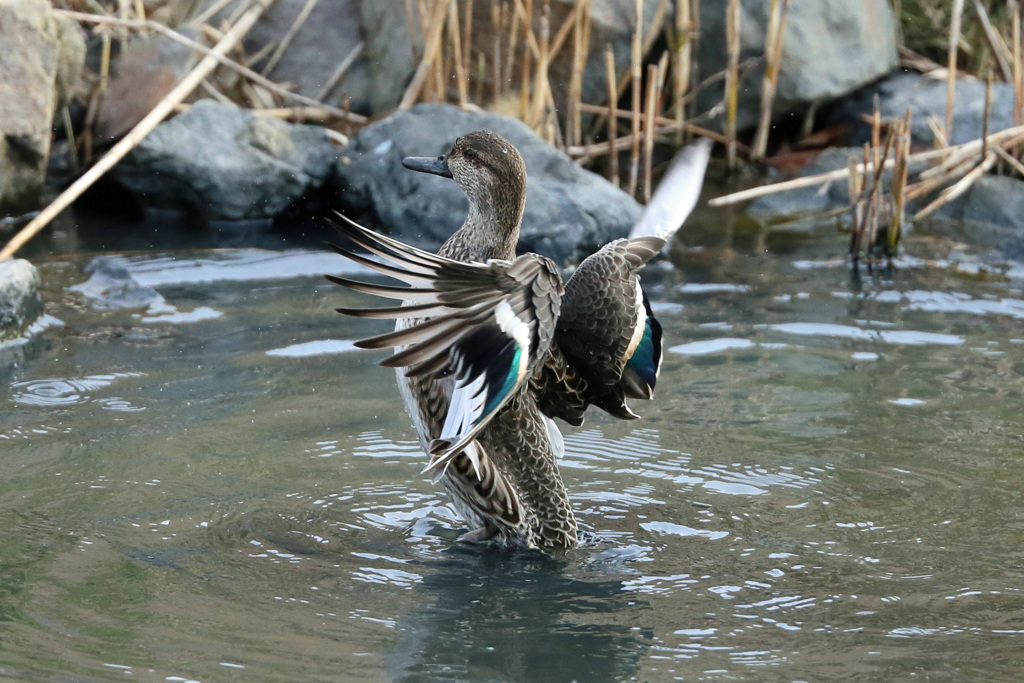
(828, 487)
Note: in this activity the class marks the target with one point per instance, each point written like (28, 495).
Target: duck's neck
(491, 231)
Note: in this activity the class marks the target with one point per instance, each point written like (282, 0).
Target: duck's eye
(469, 154)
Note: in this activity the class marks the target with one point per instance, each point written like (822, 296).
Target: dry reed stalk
(650, 105)
(289, 35)
(461, 83)
(1018, 64)
(467, 37)
(225, 61)
(613, 123)
(527, 19)
(541, 86)
(599, 149)
(954, 50)
(773, 62)
(732, 81)
(663, 122)
(681, 66)
(339, 72)
(431, 48)
(636, 57)
(1010, 159)
(581, 46)
(856, 186)
(189, 83)
(961, 186)
(995, 42)
(211, 11)
(497, 20)
(900, 181)
(513, 46)
(986, 118)
(968, 148)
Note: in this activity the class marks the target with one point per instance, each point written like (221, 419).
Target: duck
(491, 347)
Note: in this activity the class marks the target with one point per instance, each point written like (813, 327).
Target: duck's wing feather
(608, 340)
(489, 325)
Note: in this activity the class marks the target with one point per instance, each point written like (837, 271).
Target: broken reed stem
(613, 122)
(968, 148)
(303, 15)
(461, 83)
(636, 57)
(222, 59)
(773, 59)
(189, 83)
(995, 42)
(432, 46)
(524, 91)
(901, 178)
(732, 85)
(954, 50)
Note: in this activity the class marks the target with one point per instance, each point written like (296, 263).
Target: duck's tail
(677, 194)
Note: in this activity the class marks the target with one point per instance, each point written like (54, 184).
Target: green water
(827, 487)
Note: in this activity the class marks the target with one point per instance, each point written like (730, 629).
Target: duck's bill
(435, 165)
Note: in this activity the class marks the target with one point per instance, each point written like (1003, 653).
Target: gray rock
(328, 35)
(112, 287)
(831, 48)
(990, 215)
(926, 97)
(42, 58)
(20, 301)
(227, 163)
(570, 212)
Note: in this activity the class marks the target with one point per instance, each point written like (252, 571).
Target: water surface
(828, 486)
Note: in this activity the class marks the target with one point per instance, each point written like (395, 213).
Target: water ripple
(63, 392)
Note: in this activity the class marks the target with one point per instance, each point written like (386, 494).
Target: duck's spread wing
(488, 325)
(608, 343)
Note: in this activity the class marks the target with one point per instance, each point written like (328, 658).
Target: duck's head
(489, 170)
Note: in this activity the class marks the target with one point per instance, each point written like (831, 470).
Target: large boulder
(831, 48)
(925, 97)
(226, 163)
(569, 211)
(42, 57)
(20, 301)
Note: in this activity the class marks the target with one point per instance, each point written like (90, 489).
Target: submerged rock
(570, 212)
(20, 301)
(112, 287)
(925, 97)
(226, 163)
(831, 48)
(41, 57)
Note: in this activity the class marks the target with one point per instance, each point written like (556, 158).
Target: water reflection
(517, 616)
